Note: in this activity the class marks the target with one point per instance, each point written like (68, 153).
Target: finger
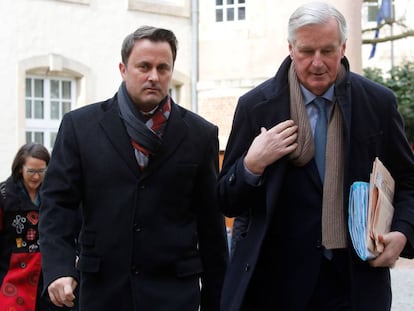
(54, 299)
(69, 304)
(278, 128)
(289, 131)
(69, 297)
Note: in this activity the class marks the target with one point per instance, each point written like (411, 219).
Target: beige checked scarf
(333, 217)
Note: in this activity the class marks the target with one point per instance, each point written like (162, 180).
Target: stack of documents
(371, 211)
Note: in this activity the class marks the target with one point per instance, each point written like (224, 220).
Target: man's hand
(394, 243)
(61, 291)
(270, 145)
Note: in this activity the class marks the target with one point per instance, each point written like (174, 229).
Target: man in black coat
(142, 170)
(294, 252)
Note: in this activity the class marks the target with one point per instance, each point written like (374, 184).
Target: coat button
(246, 268)
(232, 179)
(22, 265)
(318, 244)
(137, 228)
(135, 270)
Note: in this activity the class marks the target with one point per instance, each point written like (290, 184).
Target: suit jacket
(278, 256)
(146, 237)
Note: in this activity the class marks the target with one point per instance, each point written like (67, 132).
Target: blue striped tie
(320, 135)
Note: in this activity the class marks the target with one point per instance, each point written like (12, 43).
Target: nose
(317, 59)
(153, 75)
(37, 175)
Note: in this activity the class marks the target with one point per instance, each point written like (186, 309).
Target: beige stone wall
(237, 56)
(220, 111)
(81, 38)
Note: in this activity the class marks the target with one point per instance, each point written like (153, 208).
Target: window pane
(52, 139)
(54, 89)
(242, 1)
(28, 137)
(38, 88)
(38, 109)
(242, 13)
(28, 109)
(219, 2)
(65, 108)
(219, 15)
(230, 14)
(230, 1)
(66, 90)
(54, 110)
(372, 13)
(38, 137)
(28, 87)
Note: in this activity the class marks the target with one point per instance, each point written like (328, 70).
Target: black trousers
(332, 292)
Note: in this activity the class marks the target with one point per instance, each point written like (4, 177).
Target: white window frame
(43, 130)
(226, 6)
(370, 10)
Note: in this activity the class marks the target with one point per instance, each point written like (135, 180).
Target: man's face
(317, 53)
(148, 73)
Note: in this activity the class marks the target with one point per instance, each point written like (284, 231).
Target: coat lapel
(343, 97)
(115, 131)
(175, 132)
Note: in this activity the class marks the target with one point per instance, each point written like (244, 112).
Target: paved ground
(402, 279)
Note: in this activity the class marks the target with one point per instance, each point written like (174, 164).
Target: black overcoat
(277, 258)
(146, 238)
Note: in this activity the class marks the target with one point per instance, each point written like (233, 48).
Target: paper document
(371, 211)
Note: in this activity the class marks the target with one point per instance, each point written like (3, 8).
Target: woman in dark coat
(20, 259)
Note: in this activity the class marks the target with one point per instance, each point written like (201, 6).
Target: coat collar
(115, 131)
(276, 108)
(174, 134)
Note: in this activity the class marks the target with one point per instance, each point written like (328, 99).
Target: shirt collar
(308, 96)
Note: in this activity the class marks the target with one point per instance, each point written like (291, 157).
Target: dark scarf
(145, 137)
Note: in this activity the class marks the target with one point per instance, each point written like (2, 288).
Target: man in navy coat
(141, 172)
(294, 252)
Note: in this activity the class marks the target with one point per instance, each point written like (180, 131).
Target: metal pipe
(194, 69)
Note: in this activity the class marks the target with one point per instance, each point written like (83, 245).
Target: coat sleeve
(378, 131)
(401, 164)
(236, 196)
(211, 228)
(59, 214)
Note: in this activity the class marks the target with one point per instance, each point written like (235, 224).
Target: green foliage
(401, 82)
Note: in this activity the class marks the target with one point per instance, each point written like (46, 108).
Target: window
(372, 8)
(174, 92)
(230, 10)
(47, 100)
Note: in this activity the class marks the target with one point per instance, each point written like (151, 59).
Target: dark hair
(151, 33)
(34, 150)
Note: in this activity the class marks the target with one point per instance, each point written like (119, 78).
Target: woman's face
(33, 172)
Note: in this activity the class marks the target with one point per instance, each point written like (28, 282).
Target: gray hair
(315, 13)
(151, 33)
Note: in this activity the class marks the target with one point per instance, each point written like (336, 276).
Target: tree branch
(408, 33)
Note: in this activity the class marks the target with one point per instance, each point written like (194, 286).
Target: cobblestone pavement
(402, 280)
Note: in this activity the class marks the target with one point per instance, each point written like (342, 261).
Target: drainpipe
(194, 75)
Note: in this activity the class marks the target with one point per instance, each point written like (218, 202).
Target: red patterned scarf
(145, 137)
(156, 123)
